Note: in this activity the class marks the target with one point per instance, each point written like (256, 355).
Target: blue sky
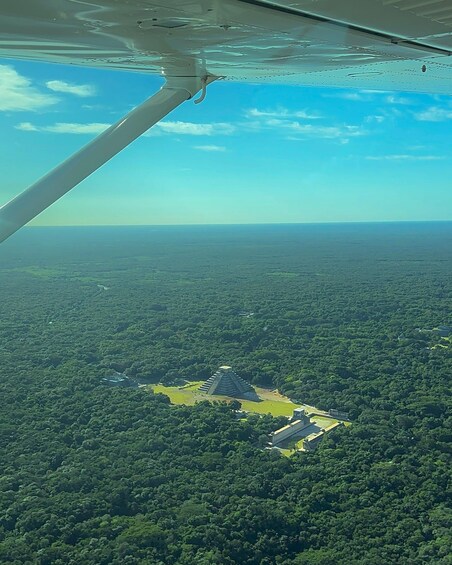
(248, 154)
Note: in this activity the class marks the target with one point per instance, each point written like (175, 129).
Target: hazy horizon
(313, 223)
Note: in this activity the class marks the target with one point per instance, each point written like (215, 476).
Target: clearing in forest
(272, 401)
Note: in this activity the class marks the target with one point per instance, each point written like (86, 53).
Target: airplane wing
(373, 44)
(382, 44)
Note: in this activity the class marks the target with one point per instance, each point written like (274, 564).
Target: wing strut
(24, 207)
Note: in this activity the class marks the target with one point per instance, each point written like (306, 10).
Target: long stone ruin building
(300, 420)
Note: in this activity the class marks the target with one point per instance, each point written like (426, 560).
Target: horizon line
(333, 222)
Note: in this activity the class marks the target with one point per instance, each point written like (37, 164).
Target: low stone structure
(119, 379)
(338, 414)
(299, 421)
(313, 440)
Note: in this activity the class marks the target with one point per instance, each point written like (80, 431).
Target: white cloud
(368, 95)
(188, 128)
(18, 94)
(404, 157)
(434, 114)
(180, 128)
(295, 125)
(393, 99)
(26, 126)
(373, 91)
(375, 119)
(354, 96)
(64, 127)
(282, 113)
(83, 90)
(309, 130)
(417, 147)
(212, 148)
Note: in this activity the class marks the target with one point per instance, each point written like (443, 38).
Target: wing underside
(381, 44)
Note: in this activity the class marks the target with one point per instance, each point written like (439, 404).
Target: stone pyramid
(225, 382)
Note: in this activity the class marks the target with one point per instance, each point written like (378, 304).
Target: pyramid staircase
(225, 382)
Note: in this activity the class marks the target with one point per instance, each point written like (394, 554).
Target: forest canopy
(339, 316)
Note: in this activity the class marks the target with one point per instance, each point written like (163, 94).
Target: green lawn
(273, 407)
(272, 402)
(180, 395)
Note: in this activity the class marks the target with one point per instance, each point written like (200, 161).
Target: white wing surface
(381, 44)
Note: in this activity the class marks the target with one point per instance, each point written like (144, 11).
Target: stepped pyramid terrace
(226, 382)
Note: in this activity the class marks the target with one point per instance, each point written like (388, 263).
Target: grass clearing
(272, 402)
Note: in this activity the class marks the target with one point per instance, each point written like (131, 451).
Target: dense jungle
(354, 317)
